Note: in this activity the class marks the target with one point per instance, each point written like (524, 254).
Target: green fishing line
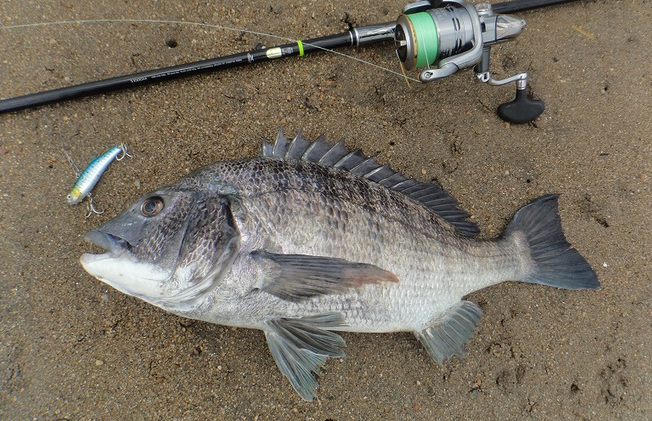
(426, 40)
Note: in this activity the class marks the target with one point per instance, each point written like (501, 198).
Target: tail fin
(557, 263)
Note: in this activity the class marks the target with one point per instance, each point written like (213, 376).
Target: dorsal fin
(338, 156)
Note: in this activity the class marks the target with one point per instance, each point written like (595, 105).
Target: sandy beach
(71, 348)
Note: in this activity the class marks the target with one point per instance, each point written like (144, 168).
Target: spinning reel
(445, 36)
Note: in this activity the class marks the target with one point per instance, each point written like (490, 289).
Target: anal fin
(451, 332)
(299, 346)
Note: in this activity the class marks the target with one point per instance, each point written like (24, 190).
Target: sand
(72, 348)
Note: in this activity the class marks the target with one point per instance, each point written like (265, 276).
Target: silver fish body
(310, 239)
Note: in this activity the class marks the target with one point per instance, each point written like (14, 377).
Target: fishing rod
(442, 36)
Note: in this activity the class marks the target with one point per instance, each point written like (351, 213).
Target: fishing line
(210, 26)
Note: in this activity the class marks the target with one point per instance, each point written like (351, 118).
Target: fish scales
(371, 237)
(310, 239)
(293, 209)
(303, 206)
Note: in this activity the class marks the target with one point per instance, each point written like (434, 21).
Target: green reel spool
(420, 46)
(427, 36)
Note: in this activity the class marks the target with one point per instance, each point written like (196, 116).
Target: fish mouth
(118, 267)
(112, 245)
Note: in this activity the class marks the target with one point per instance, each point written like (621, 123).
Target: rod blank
(364, 35)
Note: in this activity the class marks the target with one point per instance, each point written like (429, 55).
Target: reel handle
(522, 109)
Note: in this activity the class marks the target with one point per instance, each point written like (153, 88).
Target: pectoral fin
(300, 346)
(296, 277)
(451, 332)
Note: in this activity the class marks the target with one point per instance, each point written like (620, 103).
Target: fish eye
(151, 206)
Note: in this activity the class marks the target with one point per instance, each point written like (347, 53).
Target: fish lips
(114, 246)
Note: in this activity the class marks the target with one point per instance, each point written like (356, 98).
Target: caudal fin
(557, 263)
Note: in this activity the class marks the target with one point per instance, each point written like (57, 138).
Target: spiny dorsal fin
(338, 156)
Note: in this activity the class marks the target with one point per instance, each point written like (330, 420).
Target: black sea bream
(309, 239)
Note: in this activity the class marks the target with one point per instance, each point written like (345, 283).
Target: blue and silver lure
(88, 178)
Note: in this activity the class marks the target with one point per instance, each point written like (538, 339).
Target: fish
(310, 239)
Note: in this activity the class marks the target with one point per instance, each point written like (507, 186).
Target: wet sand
(71, 348)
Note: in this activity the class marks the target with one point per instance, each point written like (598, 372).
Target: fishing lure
(88, 178)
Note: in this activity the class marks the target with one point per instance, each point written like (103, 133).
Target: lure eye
(151, 206)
